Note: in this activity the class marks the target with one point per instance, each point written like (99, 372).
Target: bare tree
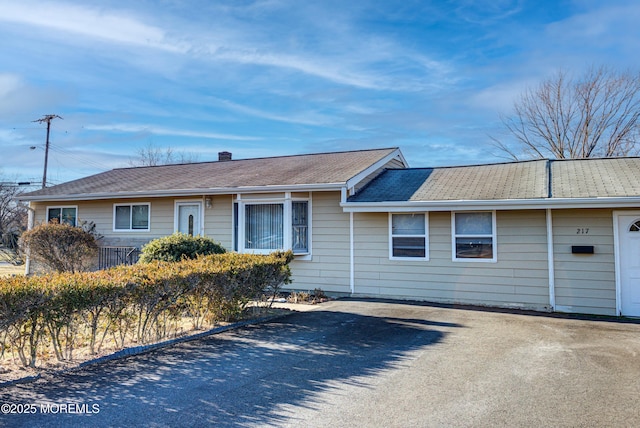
(152, 155)
(596, 115)
(13, 214)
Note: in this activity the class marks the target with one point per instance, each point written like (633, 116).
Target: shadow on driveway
(237, 378)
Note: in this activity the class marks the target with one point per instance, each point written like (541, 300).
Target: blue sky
(278, 77)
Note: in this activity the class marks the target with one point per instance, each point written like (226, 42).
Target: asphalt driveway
(361, 363)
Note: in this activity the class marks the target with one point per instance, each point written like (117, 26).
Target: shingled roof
(595, 178)
(528, 181)
(300, 170)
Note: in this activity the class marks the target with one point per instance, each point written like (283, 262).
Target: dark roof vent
(224, 156)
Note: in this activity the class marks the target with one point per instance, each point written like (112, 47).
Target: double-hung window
(263, 227)
(63, 215)
(408, 236)
(474, 236)
(131, 217)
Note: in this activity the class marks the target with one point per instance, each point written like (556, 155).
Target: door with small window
(629, 247)
(189, 218)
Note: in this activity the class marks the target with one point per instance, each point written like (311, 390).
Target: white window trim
(287, 227)
(53, 207)
(176, 212)
(307, 255)
(426, 238)
(493, 236)
(148, 229)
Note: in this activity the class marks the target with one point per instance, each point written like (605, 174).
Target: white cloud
(18, 97)
(501, 97)
(87, 22)
(309, 118)
(159, 130)
(487, 12)
(366, 63)
(8, 84)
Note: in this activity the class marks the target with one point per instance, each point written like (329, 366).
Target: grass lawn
(7, 269)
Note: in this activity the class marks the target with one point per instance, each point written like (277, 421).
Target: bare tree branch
(596, 115)
(152, 155)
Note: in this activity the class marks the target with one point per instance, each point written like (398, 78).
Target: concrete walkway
(354, 363)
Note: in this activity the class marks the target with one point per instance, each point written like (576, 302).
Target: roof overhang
(187, 192)
(353, 181)
(498, 204)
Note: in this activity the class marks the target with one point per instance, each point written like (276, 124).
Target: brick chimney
(224, 156)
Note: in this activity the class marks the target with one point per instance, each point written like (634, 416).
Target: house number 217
(582, 231)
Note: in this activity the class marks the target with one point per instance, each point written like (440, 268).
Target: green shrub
(179, 246)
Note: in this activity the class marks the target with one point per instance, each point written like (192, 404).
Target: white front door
(629, 256)
(189, 218)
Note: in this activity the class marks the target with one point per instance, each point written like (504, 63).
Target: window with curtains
(134, 217)
(265, 227)
(66, 215)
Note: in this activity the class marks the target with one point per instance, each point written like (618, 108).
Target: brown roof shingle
(528, 180)
(312, 169)
(595, 178)
(520, 180)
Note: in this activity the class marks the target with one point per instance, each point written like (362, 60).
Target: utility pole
(47, 118)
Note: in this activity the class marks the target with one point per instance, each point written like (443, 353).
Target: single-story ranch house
(561, 235)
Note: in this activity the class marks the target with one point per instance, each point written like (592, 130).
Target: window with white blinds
(263, 227)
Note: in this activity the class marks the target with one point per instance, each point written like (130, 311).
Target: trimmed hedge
(178, 246)
(138, 304)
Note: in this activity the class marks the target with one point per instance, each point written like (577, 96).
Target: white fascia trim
(353, 181)
(188, 192)
(498, 204)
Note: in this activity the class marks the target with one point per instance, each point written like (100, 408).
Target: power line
(80, 158)
(47, 118)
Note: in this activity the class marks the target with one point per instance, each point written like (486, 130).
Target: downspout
(352, 284)
(550, 255)
(550, 261)
(352, 268)
(30, 222)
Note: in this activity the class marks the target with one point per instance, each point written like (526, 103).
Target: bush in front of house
(179, 246)
(60, 247)
(55, 314)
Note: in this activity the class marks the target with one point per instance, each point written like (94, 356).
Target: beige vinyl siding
(584, 283)
(518, 278)
(329, 266)
(218, 220)
(101, 213)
